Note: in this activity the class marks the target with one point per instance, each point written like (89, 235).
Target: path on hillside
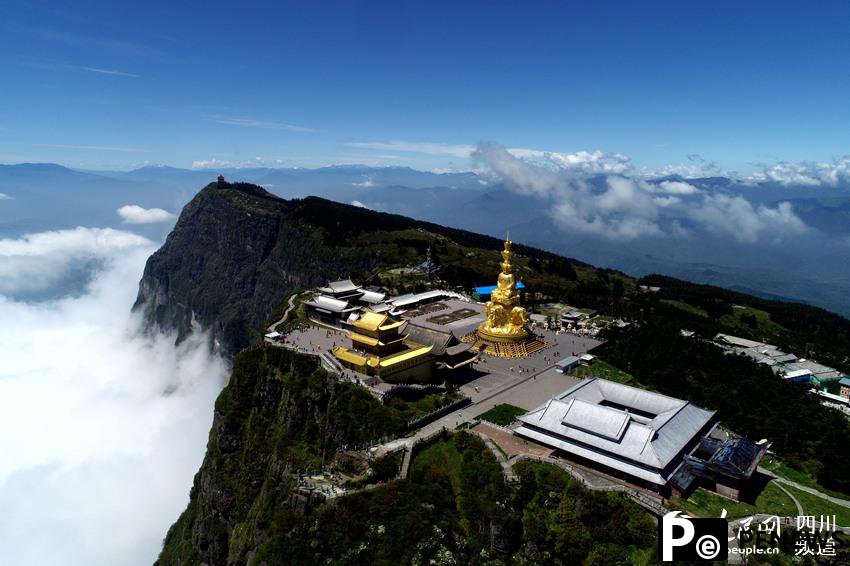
(289, 308)
(807, 489)
(813, 491)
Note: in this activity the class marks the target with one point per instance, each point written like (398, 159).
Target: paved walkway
(506, 440)
(289, 308)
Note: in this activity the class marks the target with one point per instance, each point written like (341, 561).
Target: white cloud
(38, 261)
(368, 183)
(592, 162)
(677, 188)
(254, 123)
(417, 147)
(109, 72)
(4, 196)
(805, 173)
(358, 204)
(624, 207)
(735, 216)
(135, 214)
(215, 163)
(102, 429)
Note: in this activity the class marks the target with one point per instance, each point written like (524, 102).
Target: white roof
(413, 298)
(604, 420)
(342, 286)
(797, 373)
(738, 341)
(832, 397)
(372, 296)
(273, 334)
(328, 303)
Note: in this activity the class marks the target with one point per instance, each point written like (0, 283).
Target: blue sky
(114, 85)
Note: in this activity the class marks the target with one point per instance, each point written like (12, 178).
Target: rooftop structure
(782, 363)
(380, 348)
(626, 431)
(484, 292)
(448, 351)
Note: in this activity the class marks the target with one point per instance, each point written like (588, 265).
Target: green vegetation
(817, 506)
(382, 469)
(415, 406)
(456, 509)
(781, 469)
(573, 525)
(683, 306)
(280, 414)
(502, 414)
(601, 368)
(771, 501)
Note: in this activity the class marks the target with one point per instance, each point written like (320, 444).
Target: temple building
(379, 348)
(448, 352)
(644, 438)
(505, 331)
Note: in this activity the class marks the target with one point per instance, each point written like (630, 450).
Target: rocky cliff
(235, 251)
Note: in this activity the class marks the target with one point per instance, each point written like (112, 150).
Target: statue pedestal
(508, 345)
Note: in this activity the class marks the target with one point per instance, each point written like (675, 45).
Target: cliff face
(280, 414)
(235, 251)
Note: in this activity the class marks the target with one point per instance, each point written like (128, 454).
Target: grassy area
(502, 414)
(771, 501)
(600, 368)
(814, 505)
(781, 469)
(683, 306)
(750, 319)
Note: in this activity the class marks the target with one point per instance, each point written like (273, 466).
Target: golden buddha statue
(506, 320)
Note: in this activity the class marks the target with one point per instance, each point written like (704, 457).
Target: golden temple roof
(347, 355)
(374, 321)
(368, 340)
(404, 356)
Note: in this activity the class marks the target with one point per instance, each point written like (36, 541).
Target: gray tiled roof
(629, 425)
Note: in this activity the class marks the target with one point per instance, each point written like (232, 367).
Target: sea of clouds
(101, 427)
(629, 206)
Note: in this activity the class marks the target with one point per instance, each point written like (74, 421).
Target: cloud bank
(807, 173)
(787, 173)
(593, 193)
(36, 262)
(135, 214)
(102, 428)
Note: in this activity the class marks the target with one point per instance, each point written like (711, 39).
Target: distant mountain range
(813, 267)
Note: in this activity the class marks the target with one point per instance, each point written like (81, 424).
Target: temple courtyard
(524, 382)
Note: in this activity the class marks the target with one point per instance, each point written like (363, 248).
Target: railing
(436, 414)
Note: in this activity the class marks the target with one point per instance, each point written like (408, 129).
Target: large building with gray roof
(645, 438)
(627, 432)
